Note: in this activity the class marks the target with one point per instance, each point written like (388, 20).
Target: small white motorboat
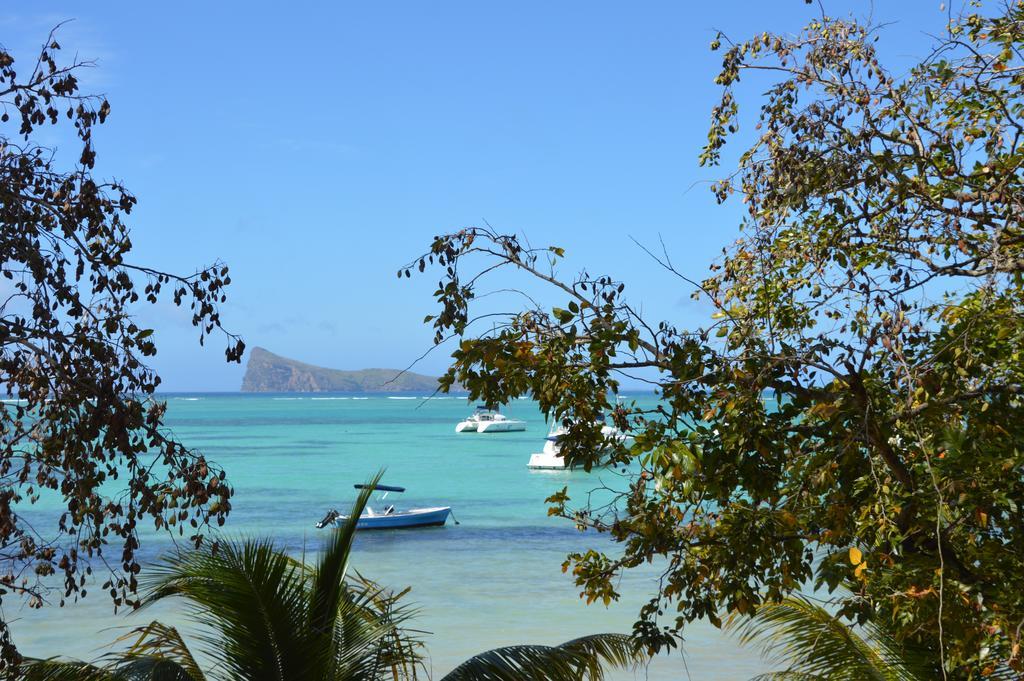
(387, 518)
(550, 457)
(485, 420)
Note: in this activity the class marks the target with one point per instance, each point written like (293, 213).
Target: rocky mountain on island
(267, 372)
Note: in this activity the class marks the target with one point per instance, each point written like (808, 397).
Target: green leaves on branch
(860, 383)
(75, 358)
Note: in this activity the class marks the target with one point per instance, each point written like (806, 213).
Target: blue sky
(317, 147)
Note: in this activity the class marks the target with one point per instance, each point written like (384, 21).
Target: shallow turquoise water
(494, 579)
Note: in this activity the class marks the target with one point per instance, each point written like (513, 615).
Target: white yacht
(550, 458)
(485, 420)
(499, 423)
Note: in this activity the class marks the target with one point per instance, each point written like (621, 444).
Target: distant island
(267, 372)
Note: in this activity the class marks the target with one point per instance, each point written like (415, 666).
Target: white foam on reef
(360, 398)
(287, 398)
(14, 401)
(187, 399)
(404, 398)
(330, 398)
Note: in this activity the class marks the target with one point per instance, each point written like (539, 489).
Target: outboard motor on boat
(329, 519)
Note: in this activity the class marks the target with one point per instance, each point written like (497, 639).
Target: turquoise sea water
(494, 579)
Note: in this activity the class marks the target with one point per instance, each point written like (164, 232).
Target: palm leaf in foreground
(126, 667)
(158, 652)
(251, 597)
(265, 616)
(64, 670)
(818, 646)
(576, 660)
(268, 616)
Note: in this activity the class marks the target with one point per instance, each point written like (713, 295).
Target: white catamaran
(550, 457)
(487, 420)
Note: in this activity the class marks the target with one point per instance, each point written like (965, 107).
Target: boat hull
(501, 426)
(466, 427)
(546, 462)
(551, 459)
(417, 517)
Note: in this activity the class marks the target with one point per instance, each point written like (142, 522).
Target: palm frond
(358, 623)
(399, 648)
(600, 651)
(160, 641)
(817, 645)
(254, 598)
(329, 575)
(140, 667)
(582, 658)
(268, 617)
(518, 663)
(55, 669)
(158, 654)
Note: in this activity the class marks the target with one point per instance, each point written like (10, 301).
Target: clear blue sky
(317, 147)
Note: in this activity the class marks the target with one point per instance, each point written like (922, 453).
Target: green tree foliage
(71, 351)
(267, 616)
(851, 414)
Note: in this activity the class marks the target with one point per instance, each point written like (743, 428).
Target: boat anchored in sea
(488, 420)
(387, 517)
(550, 457)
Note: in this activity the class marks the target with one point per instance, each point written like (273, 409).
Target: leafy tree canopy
(70, 350)
(851, 414)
